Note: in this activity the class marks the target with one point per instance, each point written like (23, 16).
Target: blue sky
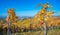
(26, 7)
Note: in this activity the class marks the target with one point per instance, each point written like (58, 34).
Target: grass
(49, 32)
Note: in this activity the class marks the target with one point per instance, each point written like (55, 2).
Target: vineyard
(31, 26)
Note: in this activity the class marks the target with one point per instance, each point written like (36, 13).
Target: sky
(27, 7)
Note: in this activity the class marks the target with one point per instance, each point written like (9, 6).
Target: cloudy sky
(27, 7)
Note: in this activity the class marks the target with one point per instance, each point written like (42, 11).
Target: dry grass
(50, 32)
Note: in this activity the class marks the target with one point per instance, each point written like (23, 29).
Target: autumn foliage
(37, 22)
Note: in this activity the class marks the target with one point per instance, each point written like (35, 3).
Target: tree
(11, 19)
(45, 15)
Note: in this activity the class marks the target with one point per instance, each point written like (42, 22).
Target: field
(49, 32)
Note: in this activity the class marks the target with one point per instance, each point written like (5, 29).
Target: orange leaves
(24, 23)
(11, 16)
(7, 19)
(5, 26)
(49, 13)
(42, 13)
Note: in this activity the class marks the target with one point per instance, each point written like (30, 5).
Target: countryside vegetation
(34, 25)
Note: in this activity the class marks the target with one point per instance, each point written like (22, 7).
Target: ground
(50, 32)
